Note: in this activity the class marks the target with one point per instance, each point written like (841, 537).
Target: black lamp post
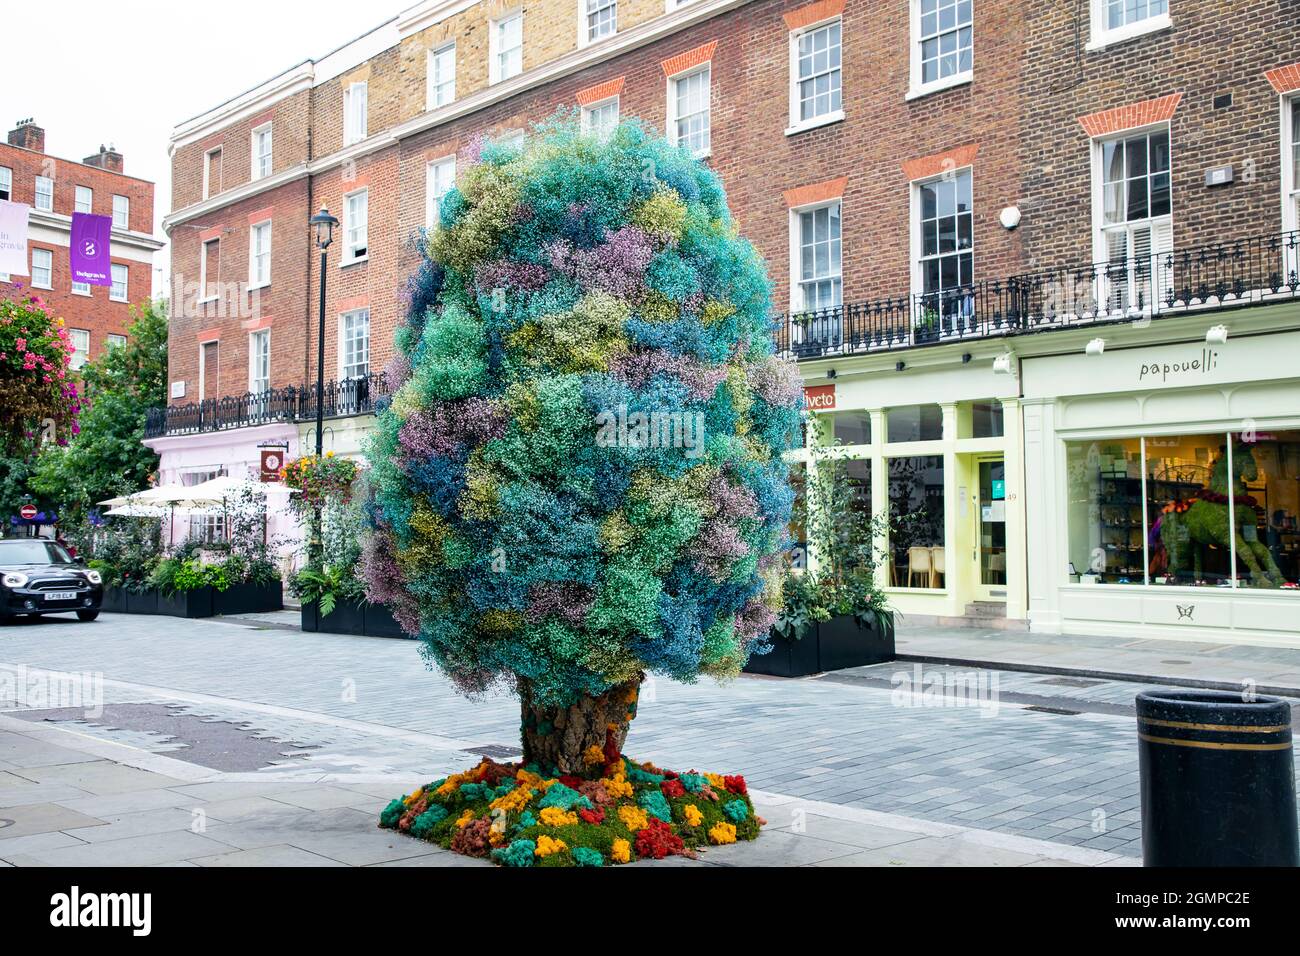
(324, 225)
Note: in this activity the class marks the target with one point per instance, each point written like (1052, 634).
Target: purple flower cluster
(755, 620)
(639, 367)
(777, 383)
(719, 547)
(397, 371)
(568, 601)
(732, 501)
(617, 265)
(527, 276)
(445, 429)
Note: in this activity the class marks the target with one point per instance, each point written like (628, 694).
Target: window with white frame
(440, 176)
(1116, 20)
(507, 43)
(600, 18)
(42, 268)
(512, 139)
(6, 183)
(259, 361)
(944, 243)
(817, 239)
(44, 193)
(355, 229)
(208, 252)
(354, 344)
(121, 212)
(83, 199)
(80, 288)
(1292, 219)
(80, 339)
(1133, 217)
(942, 42)
(212, 172)
(259, 254)
(601, 118)
(261, 151)
(442, 76)
(815, 74)
(354, 112)
(117, 291)
(113, 340)
(688, 110)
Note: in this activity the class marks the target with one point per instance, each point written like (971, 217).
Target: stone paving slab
(1190, 662)
(262, 827)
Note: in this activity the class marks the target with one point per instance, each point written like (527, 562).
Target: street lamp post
(323, 223)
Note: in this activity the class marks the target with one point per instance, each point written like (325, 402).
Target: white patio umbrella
(116, 502)
(220, 491)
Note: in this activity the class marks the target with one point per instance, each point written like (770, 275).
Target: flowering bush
(514, 816)
(35, 352)
(319, 480)
(520, 531)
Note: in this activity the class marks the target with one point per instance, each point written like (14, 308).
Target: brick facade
(1018, 124)
(96, 313)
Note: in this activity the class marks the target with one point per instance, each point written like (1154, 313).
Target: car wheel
(88, 615)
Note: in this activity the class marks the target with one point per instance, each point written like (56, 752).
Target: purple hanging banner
(88, 249)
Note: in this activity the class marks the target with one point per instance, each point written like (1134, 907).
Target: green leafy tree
(108, 455)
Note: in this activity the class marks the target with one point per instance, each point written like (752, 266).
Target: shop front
(935, 450)
(1170, 490)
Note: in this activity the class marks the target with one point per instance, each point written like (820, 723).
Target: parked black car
(41, 577)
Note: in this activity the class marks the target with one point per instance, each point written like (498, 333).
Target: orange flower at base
(622, 851)
(722, 833)
(546, 845)
(693, 816)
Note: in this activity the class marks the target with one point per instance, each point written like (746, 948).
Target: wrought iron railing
(1214, 276)
(352, 396)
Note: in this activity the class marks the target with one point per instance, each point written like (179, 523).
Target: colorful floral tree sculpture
(579, 479)
(37, 397)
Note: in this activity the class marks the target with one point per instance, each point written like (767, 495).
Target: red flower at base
(658, 840)
(672, 788)
(570, 781)
(735, 784)
(594, 817)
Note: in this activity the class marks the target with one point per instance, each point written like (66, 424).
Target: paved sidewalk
(1273, 670)
(67, 799)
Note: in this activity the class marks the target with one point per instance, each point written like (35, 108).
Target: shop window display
(852, 428)
(1211, 519)
(1267, 466)
(1187, 511)
(916, 510)
(915, 423)
(1105, 511)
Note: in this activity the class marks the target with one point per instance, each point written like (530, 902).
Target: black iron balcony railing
(1215, 276)
(350, 396)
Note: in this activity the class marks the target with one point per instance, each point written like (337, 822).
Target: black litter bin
(1218, 779)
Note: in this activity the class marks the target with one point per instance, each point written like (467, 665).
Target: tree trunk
(559, 739)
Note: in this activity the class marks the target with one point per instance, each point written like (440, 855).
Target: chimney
(109, 159)
(27, 135)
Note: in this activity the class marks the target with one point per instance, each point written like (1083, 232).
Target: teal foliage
(579, 475)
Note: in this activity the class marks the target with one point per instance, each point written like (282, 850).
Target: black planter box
(142, 602)
(195, 603)
(248, 598)
(833, 645)
(352, 617)
(114, 601)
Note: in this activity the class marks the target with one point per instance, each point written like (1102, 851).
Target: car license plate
(60, 595)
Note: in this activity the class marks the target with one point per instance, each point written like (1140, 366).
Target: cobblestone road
(366, 708)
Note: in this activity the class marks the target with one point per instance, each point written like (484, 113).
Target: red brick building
(55, 188)
(933, 183)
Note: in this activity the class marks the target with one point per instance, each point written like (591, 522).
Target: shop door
(991, 530)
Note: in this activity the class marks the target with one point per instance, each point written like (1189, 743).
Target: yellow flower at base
(634, 818)
(555, 817)
(722, 833)
(716, 781)
(622, 851)
(516, 799)
(693, 816)
(414, 797)
(465, 818)
(617, 786)
(533, 780)
(593, 755)
(546, 845)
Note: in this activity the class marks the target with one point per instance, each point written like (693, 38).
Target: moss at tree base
(618, 812)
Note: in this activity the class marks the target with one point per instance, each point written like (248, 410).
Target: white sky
(126, 71)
